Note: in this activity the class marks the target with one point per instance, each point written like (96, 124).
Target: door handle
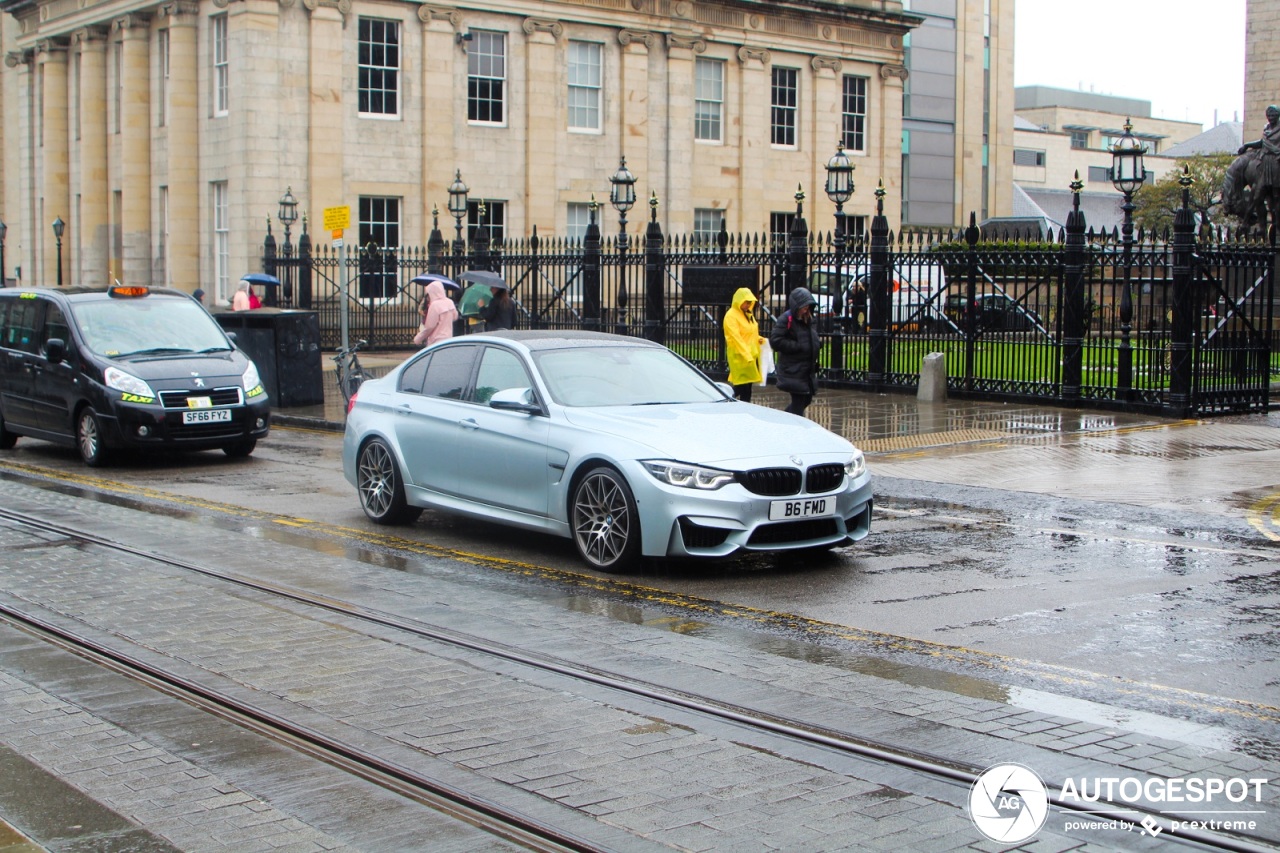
(468, 423)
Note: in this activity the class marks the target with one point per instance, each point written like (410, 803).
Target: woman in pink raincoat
(437, 317)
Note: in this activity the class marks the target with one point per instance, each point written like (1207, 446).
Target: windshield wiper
(216, 349)
(153, 351)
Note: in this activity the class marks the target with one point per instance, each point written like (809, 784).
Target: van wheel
(7, 439)
(89, 439)
(240, 449)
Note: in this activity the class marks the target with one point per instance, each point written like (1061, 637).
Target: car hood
(747, 435)
(183, 366)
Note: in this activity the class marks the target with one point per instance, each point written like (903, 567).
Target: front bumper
(148, 426)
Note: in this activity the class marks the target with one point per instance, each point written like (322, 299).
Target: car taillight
(352, 402)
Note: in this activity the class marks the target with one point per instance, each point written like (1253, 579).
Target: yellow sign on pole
(337, 218)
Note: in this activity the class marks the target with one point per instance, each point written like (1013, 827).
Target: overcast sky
(1184, 56)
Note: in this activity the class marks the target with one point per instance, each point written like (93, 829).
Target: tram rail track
(501, 819)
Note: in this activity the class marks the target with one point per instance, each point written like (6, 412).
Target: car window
(411, 377)
(622, 376)
(500, 369)
(152, 324)
(449, 372)
(19, 330)
(55, 326)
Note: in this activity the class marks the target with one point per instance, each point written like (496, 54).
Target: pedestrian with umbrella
(452, 291)
(438, 313)
(496, 308)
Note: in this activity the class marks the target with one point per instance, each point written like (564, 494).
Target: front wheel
(7, 439)
(240, 449)
(379, 486)
(89, 440)
(606, 525)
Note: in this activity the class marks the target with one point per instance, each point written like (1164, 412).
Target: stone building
(164, 133)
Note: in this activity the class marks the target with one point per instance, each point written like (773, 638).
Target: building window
(706, 226)
(162, 56)
(379, 238)
(785, 98)
(1027, 157)
(379, 67)
(584, 85)
(780, 230)
(708, 104)
(1080, 139)
(221, 242)
(854, 127)
(486, 77)
(495, 220)
(577, 220)
(1099, 174)
(221, 65)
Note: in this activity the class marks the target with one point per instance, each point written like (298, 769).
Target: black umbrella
(489, 279)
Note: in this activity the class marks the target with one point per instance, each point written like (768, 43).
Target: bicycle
(350, 373)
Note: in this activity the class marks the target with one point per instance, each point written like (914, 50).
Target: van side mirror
(55, 350)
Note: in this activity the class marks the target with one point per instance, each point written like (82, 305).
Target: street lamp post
(58, 227)
(288, 214)
(458, 207)
(1127, 175)
(4, 229)
(622, 195)
(839, 190)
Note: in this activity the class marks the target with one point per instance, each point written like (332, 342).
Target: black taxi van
(104, 368)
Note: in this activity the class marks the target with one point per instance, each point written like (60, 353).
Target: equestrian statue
(1251, 187)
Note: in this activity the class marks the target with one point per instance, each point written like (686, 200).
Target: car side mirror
(55, 350)
(515, 400)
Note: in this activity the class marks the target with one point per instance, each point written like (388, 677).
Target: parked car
(103, 368)
(612, 441)
(994, 311)
(915, 300)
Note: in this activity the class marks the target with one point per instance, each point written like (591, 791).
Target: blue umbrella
(427, 278)
(261, 278)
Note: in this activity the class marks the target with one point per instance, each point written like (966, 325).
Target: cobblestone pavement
(646, 776)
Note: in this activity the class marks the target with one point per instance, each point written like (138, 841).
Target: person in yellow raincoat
(742, 343)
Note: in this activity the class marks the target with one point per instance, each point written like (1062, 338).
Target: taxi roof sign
(129, 290)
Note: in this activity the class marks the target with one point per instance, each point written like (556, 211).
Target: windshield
(150, 324)
(622, 376)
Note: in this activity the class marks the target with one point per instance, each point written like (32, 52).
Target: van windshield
(152, 324)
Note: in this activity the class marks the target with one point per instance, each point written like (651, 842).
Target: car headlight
(856, 467)
(251, 379)
(688, 476)
(126, 383)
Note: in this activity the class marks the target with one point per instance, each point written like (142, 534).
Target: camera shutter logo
(1008, 803)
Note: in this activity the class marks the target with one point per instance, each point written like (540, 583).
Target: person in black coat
(795, 345)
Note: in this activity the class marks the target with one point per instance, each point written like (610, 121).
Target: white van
(919, 293)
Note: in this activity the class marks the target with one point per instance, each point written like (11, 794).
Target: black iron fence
(1175, 324)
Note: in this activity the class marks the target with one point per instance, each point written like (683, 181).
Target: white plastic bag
(766, 362)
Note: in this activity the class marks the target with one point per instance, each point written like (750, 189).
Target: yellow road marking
(1265, 516)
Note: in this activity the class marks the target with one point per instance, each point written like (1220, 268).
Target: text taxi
(103, 368)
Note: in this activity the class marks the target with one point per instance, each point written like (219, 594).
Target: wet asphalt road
(1091, 594)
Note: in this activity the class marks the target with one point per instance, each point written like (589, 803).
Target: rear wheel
(89, 439)
(606, 526)
(379, 486)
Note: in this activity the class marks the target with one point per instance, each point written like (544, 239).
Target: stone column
(633, 115)
(93, 223)
(544, 92)
(135, 139)
(51, 62)
(327, 138)
(755, 184)
(888, 104)
(680, 54)
(443, 107)
(183, 131)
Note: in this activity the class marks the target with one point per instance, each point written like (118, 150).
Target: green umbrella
(474, 298)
